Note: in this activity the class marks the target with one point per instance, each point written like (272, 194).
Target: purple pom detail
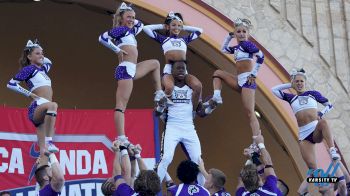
(251, 86)
(249, 47)
(121, 73)
(31, 110)
(25, 73)
(118, 32)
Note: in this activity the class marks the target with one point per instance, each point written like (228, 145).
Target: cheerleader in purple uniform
(247, 70)
(42, 111)
(121, 40)
(175, 47)
(312, 128)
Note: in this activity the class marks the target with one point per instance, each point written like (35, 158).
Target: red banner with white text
(83, 137)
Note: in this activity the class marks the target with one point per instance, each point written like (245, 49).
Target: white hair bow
(239, 21)
(124, 7)
(173, 16)
(295, 72)
(30, 44)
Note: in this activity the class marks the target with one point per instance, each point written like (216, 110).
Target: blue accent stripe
(341, 178)
(12, 84)
(105, 39)
(156, 137)
(281, 93)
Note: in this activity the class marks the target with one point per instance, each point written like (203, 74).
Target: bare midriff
(244, 66)
(175, 55)
(44, 92)
(132, 54)
(306, 116)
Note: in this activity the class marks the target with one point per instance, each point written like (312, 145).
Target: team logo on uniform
(303, 100)
(181, 96)
(176, 43)
(254, 194)
(192, 189)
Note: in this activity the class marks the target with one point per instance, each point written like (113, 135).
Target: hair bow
(173, 16)
(124, 7)
(244, 22)
(295, 72)
(30, 44)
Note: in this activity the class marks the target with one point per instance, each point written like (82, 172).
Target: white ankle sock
(217, 93)
(331, 149)
(122, 137)
(48, 139)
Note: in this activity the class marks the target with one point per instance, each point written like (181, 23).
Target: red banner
(83, 137)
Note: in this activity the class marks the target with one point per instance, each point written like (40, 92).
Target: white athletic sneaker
(334, 154)
(212, 103)
(159, 95)
(208, 109)
(254, 147)
(51, 147)
(217, 99)
(124, 140)
(160, 108)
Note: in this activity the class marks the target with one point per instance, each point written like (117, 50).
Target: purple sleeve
(271, 183)
(123, 190)
(249, 47)
(240, 191)
(118, 32)
(159, 38)
(287, 96)
(48, 191)
(318, 96)
(25, 73)
(192, 36)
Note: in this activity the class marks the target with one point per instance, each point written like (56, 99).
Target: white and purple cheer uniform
(174, 42)
(120, 36)
(180, 129)
(306, 100)
(48, 191)
(189, 190)
(245, 50)
(35, 77)
(268, 189)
